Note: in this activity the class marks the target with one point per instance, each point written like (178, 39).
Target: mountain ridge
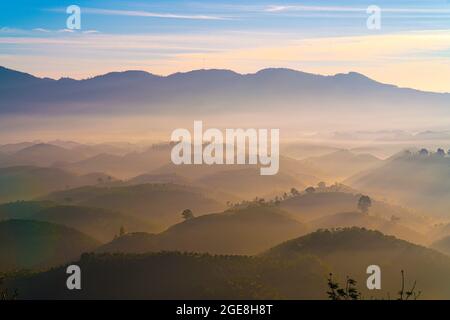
(206, 90)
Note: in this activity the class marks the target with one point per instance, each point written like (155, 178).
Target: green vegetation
(351, 250)
(171, 275)
(350, 291)
(37, 245)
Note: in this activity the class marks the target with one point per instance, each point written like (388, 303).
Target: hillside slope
(350, 251)
(243, 231)
(26, 244)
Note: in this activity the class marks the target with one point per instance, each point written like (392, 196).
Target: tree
(350, 292)
(440, 152)
(187, 214)
(424, 152)
(321, 185)
(310, 190)
(5, 294)
(122, 231)
(412, 293)
(294, 192)
(364, 203)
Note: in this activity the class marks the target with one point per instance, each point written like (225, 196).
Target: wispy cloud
(139, 13)
(287, 8)
(41, 30)
(91, 31)
(66, 30)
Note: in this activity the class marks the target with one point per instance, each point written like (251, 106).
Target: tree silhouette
(412, 293)
(187, 214)
(440, 152)
(310, 190)
(294, 192)
(364, 203)
(122, 231)
(5, 294)
(349, 292)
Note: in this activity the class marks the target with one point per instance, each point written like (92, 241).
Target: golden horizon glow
(415, 60)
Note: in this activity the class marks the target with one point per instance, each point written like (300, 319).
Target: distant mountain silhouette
(41, 154)
(206, 91)
(343, 163)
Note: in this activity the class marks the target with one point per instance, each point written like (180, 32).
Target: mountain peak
(9, 76)
(125, 75)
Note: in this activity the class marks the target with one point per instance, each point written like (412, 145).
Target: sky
(411, 49)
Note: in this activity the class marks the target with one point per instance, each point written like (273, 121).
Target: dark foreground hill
(179, 276)
(350, 251)
(37, 245)
(297, 269)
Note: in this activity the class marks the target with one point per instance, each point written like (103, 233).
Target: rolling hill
(296, 269)
(123, 166)
(28, 182)
(23, 210)
(249, 183)
(342, 164)
(159, 204)
(322, 203)
(358, 219)
(27, 244)
(414, 180)
(348, 252)
(170, 275)
(41, 155)
(442, 245)
(100, 224)
(240, 231)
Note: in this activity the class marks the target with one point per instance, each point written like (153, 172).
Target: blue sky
(192, 16)
(173, 35)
